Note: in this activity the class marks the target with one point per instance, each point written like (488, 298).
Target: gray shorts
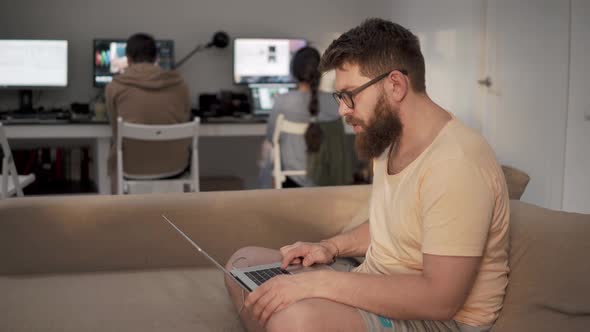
(376, 323)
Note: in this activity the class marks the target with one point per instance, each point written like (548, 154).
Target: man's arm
(350, 244)
(353, 243)
(438, 293)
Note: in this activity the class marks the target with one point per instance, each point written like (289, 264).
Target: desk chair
(289, 127)
(128, 183)
(11, 183)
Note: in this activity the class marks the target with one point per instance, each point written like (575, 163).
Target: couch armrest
(95, 233)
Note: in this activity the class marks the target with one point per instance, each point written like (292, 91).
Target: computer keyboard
(26, 117)
(34, 121)
(261, 276)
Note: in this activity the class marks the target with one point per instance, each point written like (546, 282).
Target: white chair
(127, 183)
(288, 127)
(11, 183)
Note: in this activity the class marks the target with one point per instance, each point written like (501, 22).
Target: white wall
(187, 22)
(576, 195)
(450, 36)
(527, 105)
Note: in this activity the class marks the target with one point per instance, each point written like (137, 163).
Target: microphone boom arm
(220, 40)
(191, 53)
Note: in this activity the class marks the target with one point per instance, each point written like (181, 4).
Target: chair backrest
(8, 167)
(289, 127)
(159, 133)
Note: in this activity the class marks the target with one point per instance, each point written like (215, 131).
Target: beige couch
(110, 263)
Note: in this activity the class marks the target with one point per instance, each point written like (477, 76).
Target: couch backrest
(94, 233)
(549, 283)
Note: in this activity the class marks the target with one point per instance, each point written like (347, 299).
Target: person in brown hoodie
(147, 94)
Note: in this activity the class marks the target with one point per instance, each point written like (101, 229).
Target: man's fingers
(262, 304)
(308, 261)
(290, 246)
(313, 257)
(286, 248)
(269, 310)
(281, 307)
(290, 255)
(254, 296)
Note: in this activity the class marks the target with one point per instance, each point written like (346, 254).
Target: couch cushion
(548, 289)
(192, 299)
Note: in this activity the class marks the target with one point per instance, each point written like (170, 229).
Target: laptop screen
(264, 95)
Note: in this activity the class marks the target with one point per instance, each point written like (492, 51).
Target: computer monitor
(264, 60)
(33, 64)
(110, 60)
(264, 95)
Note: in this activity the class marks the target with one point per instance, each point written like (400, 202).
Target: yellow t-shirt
(451, 201)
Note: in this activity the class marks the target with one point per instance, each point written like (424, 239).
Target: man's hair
(141, 47)
(378, 46)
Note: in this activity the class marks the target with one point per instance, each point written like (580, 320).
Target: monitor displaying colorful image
(110, 59)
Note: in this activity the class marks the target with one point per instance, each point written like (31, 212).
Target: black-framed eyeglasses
(347, 96)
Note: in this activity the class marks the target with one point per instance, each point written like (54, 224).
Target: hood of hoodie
(149, 77)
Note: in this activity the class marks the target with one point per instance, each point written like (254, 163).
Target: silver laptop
(248, 278)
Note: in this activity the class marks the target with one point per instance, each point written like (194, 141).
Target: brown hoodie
(146, 94)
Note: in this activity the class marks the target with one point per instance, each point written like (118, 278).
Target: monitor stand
(25, 100)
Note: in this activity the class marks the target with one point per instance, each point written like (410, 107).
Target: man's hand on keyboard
(308, 254)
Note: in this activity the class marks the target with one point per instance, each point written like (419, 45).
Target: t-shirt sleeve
(456, 206)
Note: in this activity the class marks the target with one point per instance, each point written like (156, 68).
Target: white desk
(100, 135)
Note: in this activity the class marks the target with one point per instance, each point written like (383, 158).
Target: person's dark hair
(305, 69)
(141, 47)
(378, 46)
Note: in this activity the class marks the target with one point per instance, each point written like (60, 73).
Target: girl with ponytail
(306, 104)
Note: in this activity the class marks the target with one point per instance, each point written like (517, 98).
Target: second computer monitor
(264, 60)
(264, 96)
(110, 59)
(33, 64)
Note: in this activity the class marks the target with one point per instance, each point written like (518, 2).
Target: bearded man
(436, 242)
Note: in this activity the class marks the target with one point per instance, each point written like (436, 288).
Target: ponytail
(305, 69)
(313, 134)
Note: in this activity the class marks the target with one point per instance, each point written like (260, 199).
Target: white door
(524, 90)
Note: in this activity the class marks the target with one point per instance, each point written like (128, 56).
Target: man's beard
(384, 129)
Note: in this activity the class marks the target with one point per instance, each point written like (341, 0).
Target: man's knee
(300, 316)
(236, 257)
(234, 261)
(251, 256)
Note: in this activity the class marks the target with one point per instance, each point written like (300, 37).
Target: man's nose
(344, 110)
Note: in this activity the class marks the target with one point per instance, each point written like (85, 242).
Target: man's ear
(398, 85)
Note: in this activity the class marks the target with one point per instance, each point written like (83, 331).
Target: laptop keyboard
(260, 276)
